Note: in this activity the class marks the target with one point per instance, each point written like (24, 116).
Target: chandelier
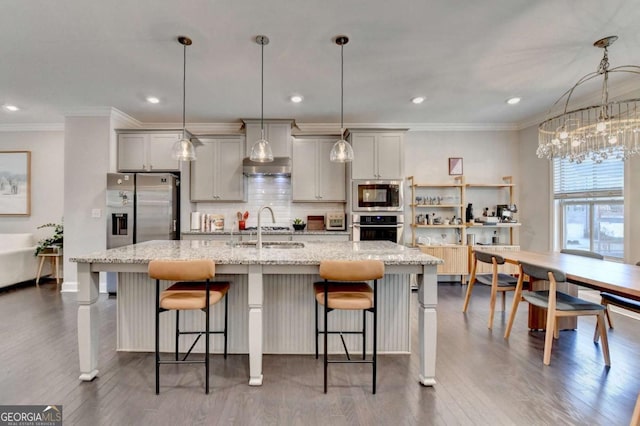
(608, 130)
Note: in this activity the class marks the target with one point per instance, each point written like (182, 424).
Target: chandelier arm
(634, 69)
(569, 92)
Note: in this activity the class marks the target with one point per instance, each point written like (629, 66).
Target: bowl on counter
(299, 226)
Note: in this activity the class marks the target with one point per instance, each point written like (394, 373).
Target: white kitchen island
(271, 299)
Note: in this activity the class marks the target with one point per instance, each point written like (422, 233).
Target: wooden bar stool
(344, 288)
(192, 290)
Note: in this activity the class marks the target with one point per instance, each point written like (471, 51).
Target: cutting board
(315, 223)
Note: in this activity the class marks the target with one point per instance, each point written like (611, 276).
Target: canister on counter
(218, 222)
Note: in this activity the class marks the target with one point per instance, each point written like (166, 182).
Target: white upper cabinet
(216, 174)
(147, 151)
(277, 132)
(377, 155)
(313, 176)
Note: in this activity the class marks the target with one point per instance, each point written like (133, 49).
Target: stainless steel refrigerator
(141, 207)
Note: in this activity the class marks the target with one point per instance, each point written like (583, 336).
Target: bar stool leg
(317, 331)
(157, 337)
(326, 311)
(206, 338)
(226, 318)
(375, 331)
(177, 331)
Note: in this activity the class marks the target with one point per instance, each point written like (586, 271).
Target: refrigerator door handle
(174, 225)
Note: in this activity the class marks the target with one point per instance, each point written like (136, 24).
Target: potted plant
(298, 224)
(53, 243)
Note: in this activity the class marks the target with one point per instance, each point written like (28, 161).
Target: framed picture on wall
(15, 183)
(455, 166)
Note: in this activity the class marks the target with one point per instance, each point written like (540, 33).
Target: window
(590, 206)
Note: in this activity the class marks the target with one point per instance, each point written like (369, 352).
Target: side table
(54, 257)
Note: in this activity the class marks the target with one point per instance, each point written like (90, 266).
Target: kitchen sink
(270, 244)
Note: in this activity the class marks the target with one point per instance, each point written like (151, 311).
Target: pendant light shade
(261, 150)
(341, 152)
(183, 150)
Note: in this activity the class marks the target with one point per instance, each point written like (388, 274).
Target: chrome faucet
(273, 217)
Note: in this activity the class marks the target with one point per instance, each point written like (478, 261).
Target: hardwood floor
(482, 379)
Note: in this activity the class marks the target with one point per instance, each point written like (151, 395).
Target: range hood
(280, 166)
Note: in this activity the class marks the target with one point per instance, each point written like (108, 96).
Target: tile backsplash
(272, 191)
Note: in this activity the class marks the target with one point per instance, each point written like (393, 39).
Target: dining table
(613, 277)
(617, 278)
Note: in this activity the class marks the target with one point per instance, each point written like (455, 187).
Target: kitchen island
(268, 284)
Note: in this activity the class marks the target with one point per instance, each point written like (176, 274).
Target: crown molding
(32, 127)
(333, 128)
(200, 128)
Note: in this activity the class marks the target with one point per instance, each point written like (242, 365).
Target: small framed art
(15, 183)
(455, 166)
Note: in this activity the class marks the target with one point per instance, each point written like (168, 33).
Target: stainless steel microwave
(377, 195)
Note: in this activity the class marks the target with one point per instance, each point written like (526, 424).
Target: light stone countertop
(223, 253)
(265, 232)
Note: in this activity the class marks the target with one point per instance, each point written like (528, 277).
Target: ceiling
(467, 58)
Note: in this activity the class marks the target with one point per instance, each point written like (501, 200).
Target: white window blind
(588, 179)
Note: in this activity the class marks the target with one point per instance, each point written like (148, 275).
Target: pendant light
(341, 152)
(261, 150)
(183, 149)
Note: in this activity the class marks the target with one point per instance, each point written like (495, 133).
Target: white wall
(535, 194)
(47, 180)
(487, 157)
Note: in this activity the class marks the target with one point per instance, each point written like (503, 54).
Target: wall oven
(377, 195)
(378, 228)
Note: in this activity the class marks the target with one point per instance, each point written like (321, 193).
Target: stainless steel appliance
(378, 227)
(377, 195)
(140, 207)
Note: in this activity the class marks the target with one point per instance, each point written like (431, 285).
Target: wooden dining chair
(557, 304)
(635, 417)
(607, 299)
(499, 282)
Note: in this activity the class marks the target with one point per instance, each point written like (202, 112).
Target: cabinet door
(202, 172)
(304, 170)
(229, 181)
(278, 135)
(389, 156)
(131, 151)
(159, 151)
(331, 176)
(363, 165)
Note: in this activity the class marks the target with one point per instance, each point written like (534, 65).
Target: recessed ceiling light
(296, 99)
(11, 108)
(153, 100)
(513, 101)
(418, 100)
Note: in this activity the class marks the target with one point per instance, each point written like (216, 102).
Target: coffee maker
(505, 212)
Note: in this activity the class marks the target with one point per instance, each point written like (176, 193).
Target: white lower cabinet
(313, 176)
(216, 174)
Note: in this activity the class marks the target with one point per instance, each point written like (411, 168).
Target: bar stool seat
(191, 295)
(352, 296)
(192, 290)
